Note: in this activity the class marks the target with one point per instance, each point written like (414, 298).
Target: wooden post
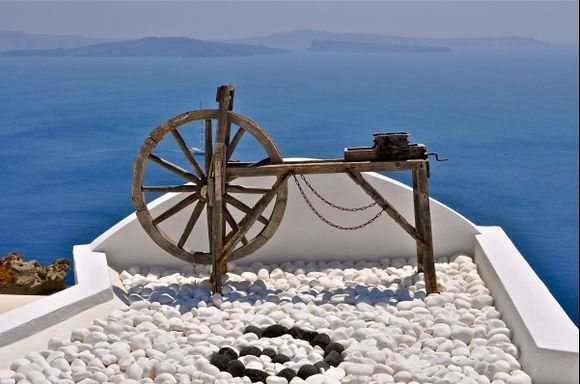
(425, 262)
(217, 186)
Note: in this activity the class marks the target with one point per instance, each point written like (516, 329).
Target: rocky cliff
(29, 277)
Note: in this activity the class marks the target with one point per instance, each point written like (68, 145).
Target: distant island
(12, 40)
(356, 47)
(302, 39)
(39, 45)
(153, 47)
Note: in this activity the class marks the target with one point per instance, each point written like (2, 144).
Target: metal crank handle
(436, 155)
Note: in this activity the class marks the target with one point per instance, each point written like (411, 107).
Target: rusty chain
(325, 220)
(333, 205)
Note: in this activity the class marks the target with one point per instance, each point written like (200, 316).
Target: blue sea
(507, 120)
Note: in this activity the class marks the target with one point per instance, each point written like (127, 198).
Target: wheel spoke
(208, 146)
(244, 208)
(187, 152)
(176, 208)
(241, 189)
(234, 143)
(169, 188)
(191, 223)
(234, 225)
(174, 168)
(249, 220)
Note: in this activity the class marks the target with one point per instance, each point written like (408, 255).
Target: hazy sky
(550, 21)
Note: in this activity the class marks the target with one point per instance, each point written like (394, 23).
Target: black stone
(256, 375)
(236, 368)
(280, 358)
(322, 365)
(333, 346)
(228, 352)
(307, 371)
(269, 352)
(333, 358)
(253, 329)
(251, 350)
(275, 330)
(297, 333)
(287, 373)
(308, 335)
(220, 361)
(321, 340)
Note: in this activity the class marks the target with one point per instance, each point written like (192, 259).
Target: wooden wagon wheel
(195, 191)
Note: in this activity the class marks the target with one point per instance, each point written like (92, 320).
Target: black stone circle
(226, 359)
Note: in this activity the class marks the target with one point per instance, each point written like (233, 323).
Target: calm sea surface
(508, 121)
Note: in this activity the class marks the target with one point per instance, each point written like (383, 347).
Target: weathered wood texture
(187, 153)
(249, 220)
(211, 187)
(425, 259)
(176, 208)
(387, 207)
(217, 190)
(200, 186)
(318, 167)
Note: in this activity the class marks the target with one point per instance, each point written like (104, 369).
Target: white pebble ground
(392, 331)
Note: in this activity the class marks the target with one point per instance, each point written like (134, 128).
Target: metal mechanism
(236, 228)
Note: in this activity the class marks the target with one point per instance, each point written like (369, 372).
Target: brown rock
(29, 277)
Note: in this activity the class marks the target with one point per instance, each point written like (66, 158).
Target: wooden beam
(230, 188)
(218, 224)
(234, 143)
(425, 258)
(208, 153)
(387, 207)
(319, 167)
(225, 98)
(191, 223)
(169, 188)
(176, 208)
(240, 205)
(249, 220)
(187, 152)
(174, 168)
(208, 143)
(233, 224)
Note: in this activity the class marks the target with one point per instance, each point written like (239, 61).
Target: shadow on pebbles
(274, 324)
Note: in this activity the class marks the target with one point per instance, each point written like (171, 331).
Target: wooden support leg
(216, 220)
(225, 95)
(425, 262)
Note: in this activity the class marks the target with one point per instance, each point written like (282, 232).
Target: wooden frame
(211, 188)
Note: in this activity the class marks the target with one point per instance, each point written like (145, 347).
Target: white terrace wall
(301, 234)
(29, 327)
(546, 337)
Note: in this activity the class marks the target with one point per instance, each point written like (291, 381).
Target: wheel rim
(194, 193)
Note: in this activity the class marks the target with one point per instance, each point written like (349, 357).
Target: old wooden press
(213, 185)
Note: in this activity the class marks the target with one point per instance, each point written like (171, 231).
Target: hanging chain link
(325, 220)
(333, 205)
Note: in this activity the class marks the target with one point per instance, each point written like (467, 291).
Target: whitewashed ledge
(547, 339)
(30, 326)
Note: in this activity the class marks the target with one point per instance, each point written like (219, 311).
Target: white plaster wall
(546, 337)
(38, 341)
(10, 302)
(31, 325)
(301, 234)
